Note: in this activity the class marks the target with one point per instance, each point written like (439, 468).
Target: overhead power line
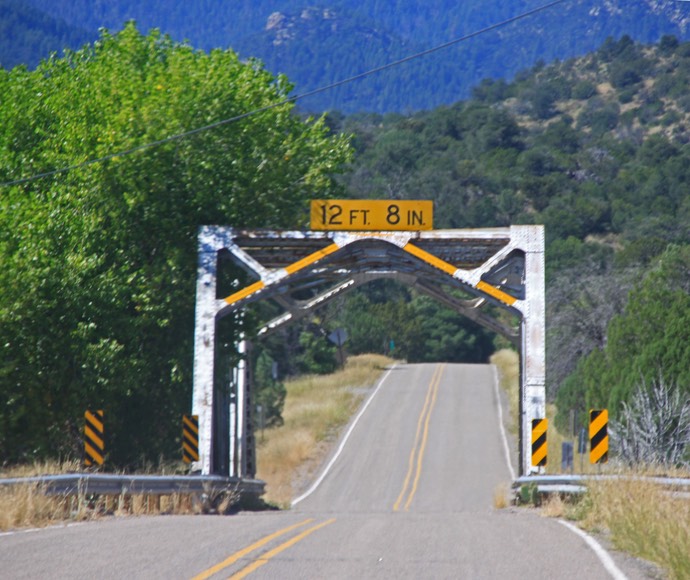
(287, 100)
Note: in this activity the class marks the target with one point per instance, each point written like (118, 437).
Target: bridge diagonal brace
(302, 270)
(470, 312)
(481, 287)
(273, 280)
(297, 310)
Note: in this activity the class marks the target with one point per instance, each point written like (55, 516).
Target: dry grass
(508, 364)
(642, 519)
(42, 468)
(501, 496)
(316, 407)
(26, 506)
(553, 507)
(139, 505)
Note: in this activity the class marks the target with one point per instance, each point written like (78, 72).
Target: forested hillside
(598, 150)
(28, 34)
(315, 45)
(99, 262)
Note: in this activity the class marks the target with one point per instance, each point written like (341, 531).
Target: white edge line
(342, 443)
(602, 554)
(506, 448)
(33, 530)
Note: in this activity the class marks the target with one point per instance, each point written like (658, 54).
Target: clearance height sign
(380, 215)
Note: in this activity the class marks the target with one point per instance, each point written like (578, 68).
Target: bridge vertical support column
(211, 241)
(533, 351)
(249, 447)
(226, 437)
(239, 377)
(204, 352)
(242, 445)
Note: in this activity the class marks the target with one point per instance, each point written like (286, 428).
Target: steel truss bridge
(299, 271)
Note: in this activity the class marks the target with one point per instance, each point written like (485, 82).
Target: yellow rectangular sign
(367, 214)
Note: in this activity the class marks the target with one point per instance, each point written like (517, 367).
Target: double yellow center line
(265, 557)
(414, 469)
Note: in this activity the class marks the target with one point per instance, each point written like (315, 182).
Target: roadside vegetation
(27, 505)
(642, 519)
(637, 516)
(316, 408)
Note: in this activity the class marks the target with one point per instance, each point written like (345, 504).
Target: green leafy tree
(649, 339)
(318, 355)
(270, 393)
(376, 314)
(445, 335)
(652, 336)
(99, 263)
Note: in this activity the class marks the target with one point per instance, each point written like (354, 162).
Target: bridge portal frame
(500, 266)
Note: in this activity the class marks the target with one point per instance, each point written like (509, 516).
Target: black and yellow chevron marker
(190, 438)
(94, 443)
(598, 436)
(539, 446)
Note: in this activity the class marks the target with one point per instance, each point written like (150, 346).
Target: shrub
(654, 427)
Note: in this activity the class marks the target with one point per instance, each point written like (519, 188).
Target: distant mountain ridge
(28, 34)
(318, 44)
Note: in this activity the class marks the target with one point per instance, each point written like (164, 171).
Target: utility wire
(287, 100)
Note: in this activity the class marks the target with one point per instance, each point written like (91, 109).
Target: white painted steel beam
(478, 262)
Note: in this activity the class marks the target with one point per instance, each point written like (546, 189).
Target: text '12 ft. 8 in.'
(381, 215)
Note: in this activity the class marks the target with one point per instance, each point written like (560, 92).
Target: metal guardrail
(112, 484)
(578, 483)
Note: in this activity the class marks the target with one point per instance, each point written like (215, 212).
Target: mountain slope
(28, 34)
(597, 150)
(318, 46)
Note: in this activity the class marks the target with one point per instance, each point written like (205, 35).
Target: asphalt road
(410, 496)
